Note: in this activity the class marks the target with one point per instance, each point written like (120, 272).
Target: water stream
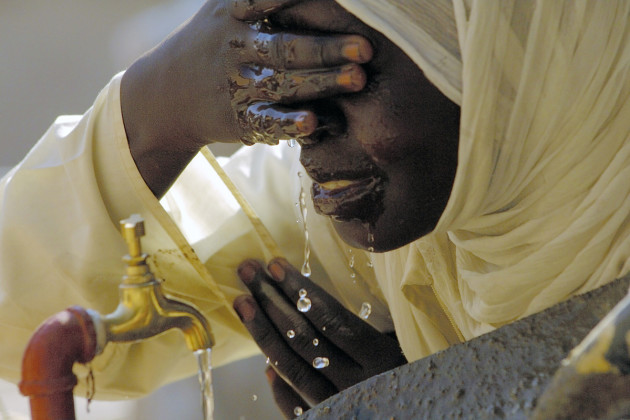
(205, 381)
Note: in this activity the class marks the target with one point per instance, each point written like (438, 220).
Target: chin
(379, 236)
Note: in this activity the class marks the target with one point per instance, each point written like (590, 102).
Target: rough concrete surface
(498, 375)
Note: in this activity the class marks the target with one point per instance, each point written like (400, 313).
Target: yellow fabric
(539, 210)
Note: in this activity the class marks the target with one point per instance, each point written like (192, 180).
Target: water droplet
(370, 234)
(267, 361)
(315, 342)
(292, 142)
(353, 275)
(254, 397)
(371, 248)
(275, 363)
(366, 310)
(298, 411)
(351, 262)
(306, 266)
(290, 333)
(304, 304)
(324, 328)
(302, 293)
(320, 362)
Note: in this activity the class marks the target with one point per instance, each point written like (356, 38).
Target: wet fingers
(249, 10)
(312, 384)
(265, 122)
(282, 50)
(291, 86)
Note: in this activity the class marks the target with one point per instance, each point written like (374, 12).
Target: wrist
(156, 141)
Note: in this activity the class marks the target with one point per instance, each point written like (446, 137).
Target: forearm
(160, 151)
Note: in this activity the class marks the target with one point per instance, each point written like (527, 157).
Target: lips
(345, 200)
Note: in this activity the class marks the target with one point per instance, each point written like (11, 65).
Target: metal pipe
(47, 377)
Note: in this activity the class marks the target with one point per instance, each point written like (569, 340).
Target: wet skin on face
(398, 147)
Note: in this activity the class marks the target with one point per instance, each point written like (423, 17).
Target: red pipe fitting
(47, 377)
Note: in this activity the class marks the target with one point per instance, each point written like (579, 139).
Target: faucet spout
(144, 311)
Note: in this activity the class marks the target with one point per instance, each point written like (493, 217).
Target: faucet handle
(132, 230)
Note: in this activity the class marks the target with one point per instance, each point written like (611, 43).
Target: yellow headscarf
(541, 201)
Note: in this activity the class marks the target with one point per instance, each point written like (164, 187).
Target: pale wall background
(55, 56)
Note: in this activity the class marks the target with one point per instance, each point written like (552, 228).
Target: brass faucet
(144, 311)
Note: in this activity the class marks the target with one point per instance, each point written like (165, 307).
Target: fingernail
(306, 123)
(277, 271)
(351, 77)
(247, 271)
(244, 307)
(359, 52)
(271, 374)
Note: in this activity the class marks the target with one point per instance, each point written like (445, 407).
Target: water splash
(306, 267)
(370, 263)
(366, 310)
(205, 382)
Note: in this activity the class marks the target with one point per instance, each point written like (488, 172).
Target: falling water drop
(306, 266)
(292, 142)
(320, 362)
(290, 333)
(205, 382)
(370, 234)
(366, 310)
(298, 411)
(315, 342)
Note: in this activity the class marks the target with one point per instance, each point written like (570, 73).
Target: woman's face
(385, 178)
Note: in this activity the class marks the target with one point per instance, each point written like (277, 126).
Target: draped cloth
(541, 200)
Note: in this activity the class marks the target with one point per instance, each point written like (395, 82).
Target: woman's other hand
(319, 351)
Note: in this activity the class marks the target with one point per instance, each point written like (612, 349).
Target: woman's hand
(218, 79)
(319, 351)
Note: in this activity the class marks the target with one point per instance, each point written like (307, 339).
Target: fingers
(282, 50)
(289, 401)
(341, 327)
(291, 86)
(296, 331)
(258, 96)
(265, 122)
(249, 10)
(311, 383)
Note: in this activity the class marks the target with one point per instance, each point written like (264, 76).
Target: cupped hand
(319, 351)
(218, 79)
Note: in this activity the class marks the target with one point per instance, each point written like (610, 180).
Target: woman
(537, 211)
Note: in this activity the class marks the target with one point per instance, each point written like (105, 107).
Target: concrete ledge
(497, 375)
